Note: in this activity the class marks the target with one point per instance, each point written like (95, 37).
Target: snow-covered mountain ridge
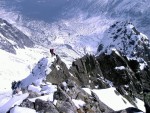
(11, 37)
(125, 38)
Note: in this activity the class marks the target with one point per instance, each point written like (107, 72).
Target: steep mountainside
(11, 37)
(125, 38)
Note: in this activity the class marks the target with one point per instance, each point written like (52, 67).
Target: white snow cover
(120, 68)
(140, 104)
(48, 97)
(39, 71)
(33, 88)
(78, 103)
(142, 66)
(141, 61)
(48, 89)
(16, 100)
(18, 109)
(87, 90)
(113, 100)
(17, 67)
(57, 67)
(5, 96)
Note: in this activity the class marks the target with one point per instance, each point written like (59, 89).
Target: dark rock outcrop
(45, 107)
(115, 70)
(65, 100)
(99, 72)
(59, 72)
(28, 104)
(88, 72)
(147, 100)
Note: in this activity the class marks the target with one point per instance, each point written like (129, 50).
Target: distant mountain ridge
(11, 37)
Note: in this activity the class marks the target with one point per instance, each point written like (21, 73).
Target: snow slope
(114, 100)
(22, 110)
(19, 66)
(17, 69)
(16, 100)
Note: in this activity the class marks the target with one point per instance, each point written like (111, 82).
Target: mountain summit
(124, 37)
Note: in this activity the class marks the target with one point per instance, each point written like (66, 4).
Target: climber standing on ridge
(52, 52)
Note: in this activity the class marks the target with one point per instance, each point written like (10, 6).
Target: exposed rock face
(45, 107)
(115, 70)
(59, 72)
(147, 100)
(27, 103)
(11, 37)
(106, 72)
(88, 72)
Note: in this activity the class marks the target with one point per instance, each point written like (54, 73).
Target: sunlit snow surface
(17, 68)
(78, 103)
(16, 100)
(18, 109)
(114, 100)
